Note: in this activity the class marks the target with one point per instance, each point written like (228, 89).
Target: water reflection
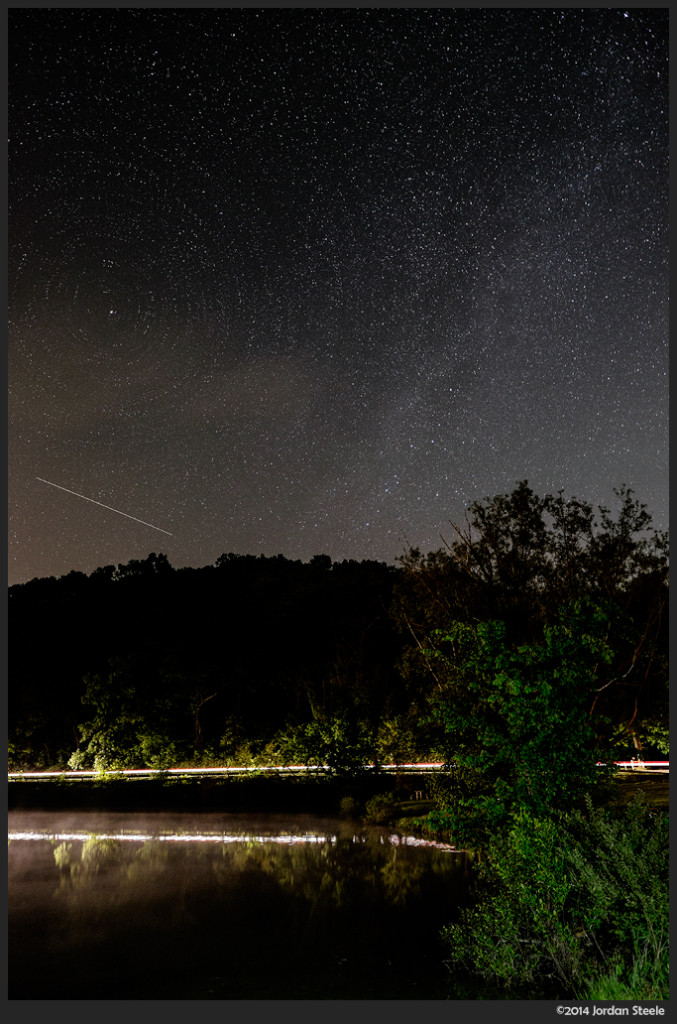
(224, 907)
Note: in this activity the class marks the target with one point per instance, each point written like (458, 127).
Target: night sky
(312, 280)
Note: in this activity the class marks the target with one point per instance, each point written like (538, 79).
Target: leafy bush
(338, 742)
(380, 810)
(571, 905)
(78, 760)
(397, 741)
(516, 719)
(349, 807)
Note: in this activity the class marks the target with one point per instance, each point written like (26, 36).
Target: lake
(224, 906)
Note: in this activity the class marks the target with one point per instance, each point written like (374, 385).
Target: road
(288, 769)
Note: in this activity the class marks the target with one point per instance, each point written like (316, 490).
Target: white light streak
(309, 838)
(109, 507)
(281, 769)
(179, 837)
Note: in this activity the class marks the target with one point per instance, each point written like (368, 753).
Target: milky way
(309, 281)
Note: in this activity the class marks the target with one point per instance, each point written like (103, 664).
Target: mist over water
(220, 906)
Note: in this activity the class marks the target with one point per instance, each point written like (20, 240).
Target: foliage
(380, 809)
(530, 647)
(571, 905)
(398, 740)
(207, 665)
(349, 807)
(621, 865)
(23, 753)
(515, 717)
(157, 751)
(519, 560)
(645, 975)
(188, 643)
(542, 633)
(338, 744)
(110, 737)
(129, 725)
(657, 735)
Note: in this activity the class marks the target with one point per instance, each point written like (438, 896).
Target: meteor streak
(109, 507)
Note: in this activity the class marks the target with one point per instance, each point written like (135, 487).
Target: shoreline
(234, 793)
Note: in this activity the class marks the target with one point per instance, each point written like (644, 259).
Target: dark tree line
(144, 663)
(271, 660)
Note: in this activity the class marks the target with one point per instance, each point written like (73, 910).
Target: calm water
(217, 906)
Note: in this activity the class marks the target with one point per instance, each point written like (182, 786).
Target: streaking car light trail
(84, 773)
(414, 767)
(109, 507)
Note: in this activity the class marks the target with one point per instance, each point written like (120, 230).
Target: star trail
(312, 280)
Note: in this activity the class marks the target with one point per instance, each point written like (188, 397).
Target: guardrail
(424, 766)
(282, 769)
(637, 763)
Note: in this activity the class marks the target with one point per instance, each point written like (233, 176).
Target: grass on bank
(574, 905)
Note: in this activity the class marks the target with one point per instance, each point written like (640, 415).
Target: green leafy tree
(129, 726)
(109, 738)
(515, 718)
(521, 558)
(341, 743)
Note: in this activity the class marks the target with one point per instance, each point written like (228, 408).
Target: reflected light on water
(192, 837)
(219, 905)
(139, 837)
